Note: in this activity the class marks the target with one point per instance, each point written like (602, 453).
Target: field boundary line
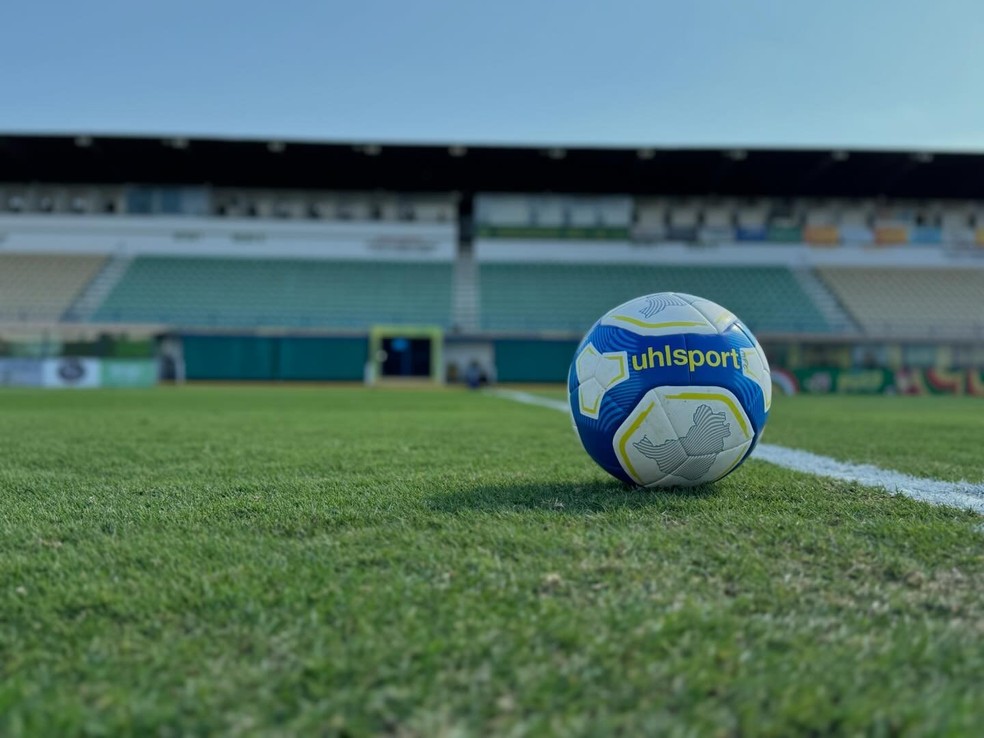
(965, 495)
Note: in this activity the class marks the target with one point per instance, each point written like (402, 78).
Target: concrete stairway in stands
(826, 301)
(85, 305)
(465, 293)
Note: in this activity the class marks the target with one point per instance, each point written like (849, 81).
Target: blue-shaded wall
(274, 358)
(533, 360)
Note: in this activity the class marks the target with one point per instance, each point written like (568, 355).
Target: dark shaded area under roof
(417, 168)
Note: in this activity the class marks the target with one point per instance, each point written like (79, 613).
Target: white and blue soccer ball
(669, 390)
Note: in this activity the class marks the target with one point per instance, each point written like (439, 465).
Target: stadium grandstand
(282, 260)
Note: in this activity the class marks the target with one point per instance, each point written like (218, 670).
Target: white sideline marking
(528, 399)
(964, 495)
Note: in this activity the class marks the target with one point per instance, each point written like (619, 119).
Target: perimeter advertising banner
(20, 373)
(70, 372)
(78, 373)
(926, 235)
(891, 235)
(822, 235)
(886, 381)
(127, 373)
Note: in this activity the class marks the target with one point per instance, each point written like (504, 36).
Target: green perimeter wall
(327, 359)
(275, 358)
(533, 360)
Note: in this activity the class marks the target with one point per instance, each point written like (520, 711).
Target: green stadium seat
(279, 292)
(570, 297)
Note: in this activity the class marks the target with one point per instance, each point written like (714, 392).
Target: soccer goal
(405, 354)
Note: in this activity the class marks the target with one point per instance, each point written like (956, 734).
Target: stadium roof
(406, 167)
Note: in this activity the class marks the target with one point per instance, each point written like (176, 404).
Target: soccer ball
(669, 390)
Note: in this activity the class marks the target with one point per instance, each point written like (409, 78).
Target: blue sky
(880, 73)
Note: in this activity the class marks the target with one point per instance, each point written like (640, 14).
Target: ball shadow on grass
(565, 498)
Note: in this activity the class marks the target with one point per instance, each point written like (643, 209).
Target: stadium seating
(565, 297)
(904, 302)
(42, 287)
(569, 297)
(279, 292)
(821, 222)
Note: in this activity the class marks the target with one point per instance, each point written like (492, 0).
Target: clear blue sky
(869, 73)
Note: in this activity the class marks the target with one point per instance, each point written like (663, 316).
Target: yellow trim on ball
(626, 462)
(623, 370)
(644, 324)
(591, 412)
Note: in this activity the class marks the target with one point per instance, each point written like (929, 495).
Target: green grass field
(311, 561)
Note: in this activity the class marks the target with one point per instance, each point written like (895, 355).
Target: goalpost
(405, 354)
